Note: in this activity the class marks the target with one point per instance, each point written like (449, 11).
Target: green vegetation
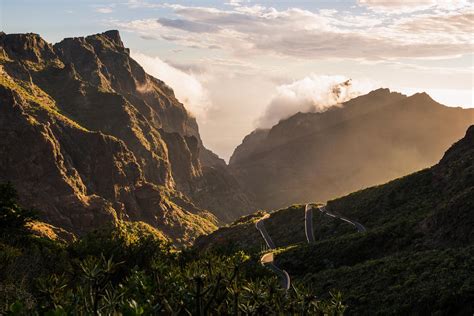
(130, 269)
(415, 258)
(37, 99)
(285, 226)
(420, 283)
(12, 216)
(28, 91)
(417, 255)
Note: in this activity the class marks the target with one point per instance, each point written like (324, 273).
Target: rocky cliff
(366, 141)
(87, 136)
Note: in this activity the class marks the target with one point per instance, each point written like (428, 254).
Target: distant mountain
(87, 136)
(366, 141)
(415, 258)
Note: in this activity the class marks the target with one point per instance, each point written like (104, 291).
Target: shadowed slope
(416, 255)
(368, 140)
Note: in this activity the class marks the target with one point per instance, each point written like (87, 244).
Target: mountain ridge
(355, 145)
(418, 226)
(86, 87)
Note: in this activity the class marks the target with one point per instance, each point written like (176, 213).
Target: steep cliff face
(366, 141)
(87, 136)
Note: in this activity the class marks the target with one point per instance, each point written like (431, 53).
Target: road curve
(309, 221)
(308, 224)
(261, 228)
(267, 259)
(360, 228)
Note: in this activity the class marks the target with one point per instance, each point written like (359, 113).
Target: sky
(238, 65)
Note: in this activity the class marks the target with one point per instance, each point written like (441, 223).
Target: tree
(13, 217)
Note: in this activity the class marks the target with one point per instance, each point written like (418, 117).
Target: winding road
(308, 215)
(267, 259)
(261, 228)
(308, 224)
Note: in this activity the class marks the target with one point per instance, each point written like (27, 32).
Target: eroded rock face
(87, 136)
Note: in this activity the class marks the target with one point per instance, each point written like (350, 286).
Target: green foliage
(12, 216)
(170, 283)
(129, 269)
(414, 258)
(427, 282)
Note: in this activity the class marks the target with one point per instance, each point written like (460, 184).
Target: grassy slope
(421, 282)
(417, 252)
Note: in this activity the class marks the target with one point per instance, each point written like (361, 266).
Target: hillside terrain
(88, 137)
(363, 142)
(417, 253)
(129, 268)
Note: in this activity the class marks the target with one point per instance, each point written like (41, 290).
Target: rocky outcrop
(251, 144)
(86, 136)
(366, 141)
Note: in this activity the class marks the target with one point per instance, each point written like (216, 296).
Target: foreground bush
(129, 269)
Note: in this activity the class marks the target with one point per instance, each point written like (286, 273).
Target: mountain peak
(114, 36)
(28, 46)
(421, 95)
(422, 99)
(111, 36)
(381, 91)
(110, 39)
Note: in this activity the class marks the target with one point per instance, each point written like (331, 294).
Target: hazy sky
(241, 64)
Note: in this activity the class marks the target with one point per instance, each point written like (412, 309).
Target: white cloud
(313, 93)
(188, 89)
(104, 10)
(257, 30)
(450, 25)
(406, 5)
(135, 4)
(241, 54)
(236, 3)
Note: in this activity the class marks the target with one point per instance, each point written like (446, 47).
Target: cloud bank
(402, 6)
(311, 94)
(187, 88)
(246, 30)
(246, 55)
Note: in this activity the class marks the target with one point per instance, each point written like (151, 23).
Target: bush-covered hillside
(416, 255)
(130, 269)
(285, 226)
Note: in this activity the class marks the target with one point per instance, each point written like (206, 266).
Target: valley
(111, 203)
(421, 222)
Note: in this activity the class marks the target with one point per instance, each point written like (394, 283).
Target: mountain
(416, 256)
(87, 137)
(368, 140)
